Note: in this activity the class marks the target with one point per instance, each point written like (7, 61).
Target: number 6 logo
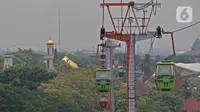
(184, 14)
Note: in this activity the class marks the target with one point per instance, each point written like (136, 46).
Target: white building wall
(49, 56)
(183, 72)
(8, 61)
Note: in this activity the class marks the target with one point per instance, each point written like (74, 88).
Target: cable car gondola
(165, 75)
(121, 72)
(103, 80)
(103, 101)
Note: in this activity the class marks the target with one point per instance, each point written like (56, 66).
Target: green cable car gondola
(103, 79)
(165, 75)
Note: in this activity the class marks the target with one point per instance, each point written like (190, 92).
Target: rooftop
(195, 49)
(191, 53)
(196, 45)
(190, 66)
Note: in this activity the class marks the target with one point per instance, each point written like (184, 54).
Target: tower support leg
(109, 64)
(131, 75)
(112, 81)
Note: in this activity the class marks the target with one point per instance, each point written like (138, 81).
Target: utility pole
(59, 29)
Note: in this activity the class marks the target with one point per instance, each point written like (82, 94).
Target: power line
(185, 27)
(103, 14)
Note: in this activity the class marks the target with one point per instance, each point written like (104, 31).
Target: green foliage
(146, 65)
(73, 90)
(26, 76)
(28, 58)
(154, 101)
(78, 87)
(16, 99)
(81, 62)
(165, 101)
(25, 57)
(120, 102)
(186, 90)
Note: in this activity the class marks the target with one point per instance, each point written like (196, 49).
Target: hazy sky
(30, 23)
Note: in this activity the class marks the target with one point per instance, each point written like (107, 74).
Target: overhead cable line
(103, 10)
(151, 46)
(185, 27)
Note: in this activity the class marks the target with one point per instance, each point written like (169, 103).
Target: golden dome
(50, 42)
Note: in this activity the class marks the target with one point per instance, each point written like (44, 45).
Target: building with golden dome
(50, 54)
(50, 42)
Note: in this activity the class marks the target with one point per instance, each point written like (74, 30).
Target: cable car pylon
(106, 56)
(109, 64)
(130, 38)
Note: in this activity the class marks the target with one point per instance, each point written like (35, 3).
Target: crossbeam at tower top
(127, 4)
(140, 23)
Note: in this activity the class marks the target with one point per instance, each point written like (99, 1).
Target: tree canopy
(28, 87)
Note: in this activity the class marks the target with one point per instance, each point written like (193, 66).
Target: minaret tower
(50, 54)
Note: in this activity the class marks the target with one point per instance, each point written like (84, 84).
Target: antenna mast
(59, 29)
